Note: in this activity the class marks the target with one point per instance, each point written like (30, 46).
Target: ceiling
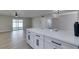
(30, 13)
(63, 11)
(25, 13)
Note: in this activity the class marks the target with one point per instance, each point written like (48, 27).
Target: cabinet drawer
(69, 46)
(49, 45)
(58, 44)
(52, 43)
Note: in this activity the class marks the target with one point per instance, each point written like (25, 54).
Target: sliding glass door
(20, 24)
(17, 24)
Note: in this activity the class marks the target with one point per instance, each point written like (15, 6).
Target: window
(17, 24)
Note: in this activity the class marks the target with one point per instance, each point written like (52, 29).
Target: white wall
(27, 23)
(6, 23)
(36, 22)
(40, 22)
(64, 22)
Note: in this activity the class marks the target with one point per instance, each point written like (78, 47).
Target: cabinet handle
(37, 35)
(29, 37)
(37, 42)
(56, 43)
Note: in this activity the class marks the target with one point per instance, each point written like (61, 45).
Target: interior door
(20, 24)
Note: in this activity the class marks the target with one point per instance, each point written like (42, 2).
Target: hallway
(13, 40)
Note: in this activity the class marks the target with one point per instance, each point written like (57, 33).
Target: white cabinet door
(30, 38)
(51, 43)
(38, 41)
(34, 40)
(69, 46)
(28, 33)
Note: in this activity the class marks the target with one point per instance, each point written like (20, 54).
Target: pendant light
(58, 12)
(16, 14)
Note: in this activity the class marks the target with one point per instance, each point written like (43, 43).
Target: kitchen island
(48, 38)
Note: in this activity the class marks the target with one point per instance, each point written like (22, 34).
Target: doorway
(17, 24)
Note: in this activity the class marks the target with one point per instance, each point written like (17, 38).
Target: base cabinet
(51, 43)
(30, 38)
(69, 46)
(28, 34)
(34, 40)
(38, 41)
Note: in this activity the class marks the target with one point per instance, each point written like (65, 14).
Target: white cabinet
(52, 43)
(28, 33)
(69, 46)
(30, 38)
(34, 40)
(38, 41)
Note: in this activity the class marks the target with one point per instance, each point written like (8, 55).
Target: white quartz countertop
(62, 35)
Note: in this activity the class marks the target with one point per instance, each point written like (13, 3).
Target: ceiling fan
(57, 13)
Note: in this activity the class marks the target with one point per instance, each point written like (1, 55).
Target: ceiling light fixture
(56, 13)
(16, 14)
